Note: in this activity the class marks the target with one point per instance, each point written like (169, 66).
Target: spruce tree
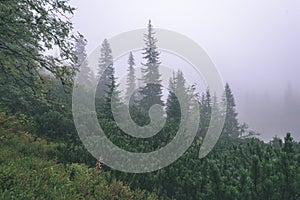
(131, 79)
(231, 126)
(111, 95)
(173, 106)
(217, 111)
(288, 144)
(105, 69)
(205, 111)
(107, 91)
(86, 75)
(208, 102)
(178, 89)
(80, 50)
(152, 92)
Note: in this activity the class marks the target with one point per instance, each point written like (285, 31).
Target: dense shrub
(29, 170)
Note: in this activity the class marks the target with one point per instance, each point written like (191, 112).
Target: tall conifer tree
(105, 69)
(131, 79)
(86, 76)
(231, 126)
(152, 92)
(107, 91)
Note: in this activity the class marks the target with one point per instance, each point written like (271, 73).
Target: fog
(254, 44)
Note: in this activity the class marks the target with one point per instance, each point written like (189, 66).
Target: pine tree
(288, 159)
(173, 106)
(231, 126)
(86, 75)
(152, 92)
(288, 144)
(107, 89)
(217, 111)
(105, 69)
(80, 51)
(177, 89)
(111, 95)
(205, 111)
(181, 84)
(131, 79)
(208, 102)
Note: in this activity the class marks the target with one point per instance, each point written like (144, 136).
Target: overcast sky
(255, 44)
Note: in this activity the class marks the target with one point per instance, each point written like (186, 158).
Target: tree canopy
(28, 30)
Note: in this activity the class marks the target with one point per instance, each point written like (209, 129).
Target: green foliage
(28, 29)
(235, 169)
(54, 124)
(177, 89)
(60, 167)
(28, 171)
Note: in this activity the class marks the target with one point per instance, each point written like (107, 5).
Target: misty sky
(254, 44)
